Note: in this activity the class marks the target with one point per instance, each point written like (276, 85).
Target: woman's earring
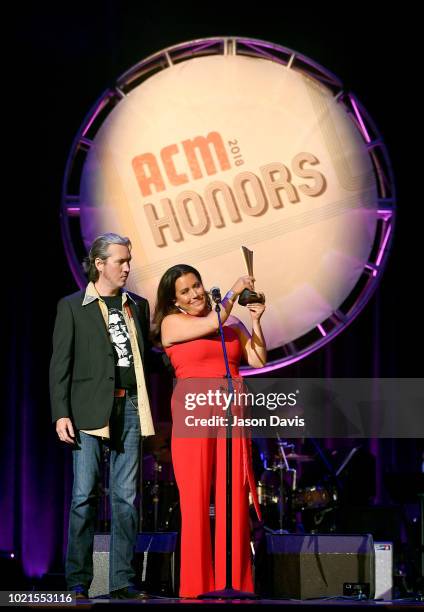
(179, 308)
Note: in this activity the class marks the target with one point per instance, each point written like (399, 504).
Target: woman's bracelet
(229, 296)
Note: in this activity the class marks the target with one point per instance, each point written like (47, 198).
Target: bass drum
(274, 500)
(270, 488)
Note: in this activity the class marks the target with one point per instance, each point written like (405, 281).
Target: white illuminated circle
(218, 143)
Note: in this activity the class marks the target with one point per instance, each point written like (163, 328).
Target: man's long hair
(99, 249)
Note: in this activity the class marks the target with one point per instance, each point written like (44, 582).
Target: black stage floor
(190, 604)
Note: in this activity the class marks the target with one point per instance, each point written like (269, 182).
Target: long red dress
(199, 464)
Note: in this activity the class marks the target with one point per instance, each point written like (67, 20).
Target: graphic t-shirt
(120, 337)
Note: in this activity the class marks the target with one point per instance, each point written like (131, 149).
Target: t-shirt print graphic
(120, 339)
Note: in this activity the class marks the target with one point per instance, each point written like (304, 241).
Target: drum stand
(157, 468)
(282, 466)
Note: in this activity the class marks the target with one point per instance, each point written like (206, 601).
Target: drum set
(284, 505)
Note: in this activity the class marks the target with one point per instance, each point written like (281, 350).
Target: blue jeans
(124, 465)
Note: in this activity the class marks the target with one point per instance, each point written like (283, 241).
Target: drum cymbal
(299, 458)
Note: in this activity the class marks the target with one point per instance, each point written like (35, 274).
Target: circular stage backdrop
(224, 142)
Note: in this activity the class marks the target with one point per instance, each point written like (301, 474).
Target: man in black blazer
(99, 396)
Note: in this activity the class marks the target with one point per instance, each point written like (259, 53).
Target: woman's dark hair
(165, 301)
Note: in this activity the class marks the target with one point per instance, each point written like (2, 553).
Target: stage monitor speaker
(310, 566)
(154, 562)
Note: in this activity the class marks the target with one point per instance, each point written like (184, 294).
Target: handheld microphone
(216, 295)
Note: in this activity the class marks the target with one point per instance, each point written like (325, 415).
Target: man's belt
(121, 392)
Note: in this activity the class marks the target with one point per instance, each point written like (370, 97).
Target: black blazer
(82, 367)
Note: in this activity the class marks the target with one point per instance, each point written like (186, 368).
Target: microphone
(216, 294)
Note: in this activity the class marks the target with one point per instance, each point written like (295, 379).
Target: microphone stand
(228, 592)
(284, 466)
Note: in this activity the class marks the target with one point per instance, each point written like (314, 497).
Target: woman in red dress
(187, 328)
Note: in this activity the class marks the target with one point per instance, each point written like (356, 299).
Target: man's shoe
(81, 592)
(129, 592)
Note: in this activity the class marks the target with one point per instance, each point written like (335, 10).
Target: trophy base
(250, 297)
